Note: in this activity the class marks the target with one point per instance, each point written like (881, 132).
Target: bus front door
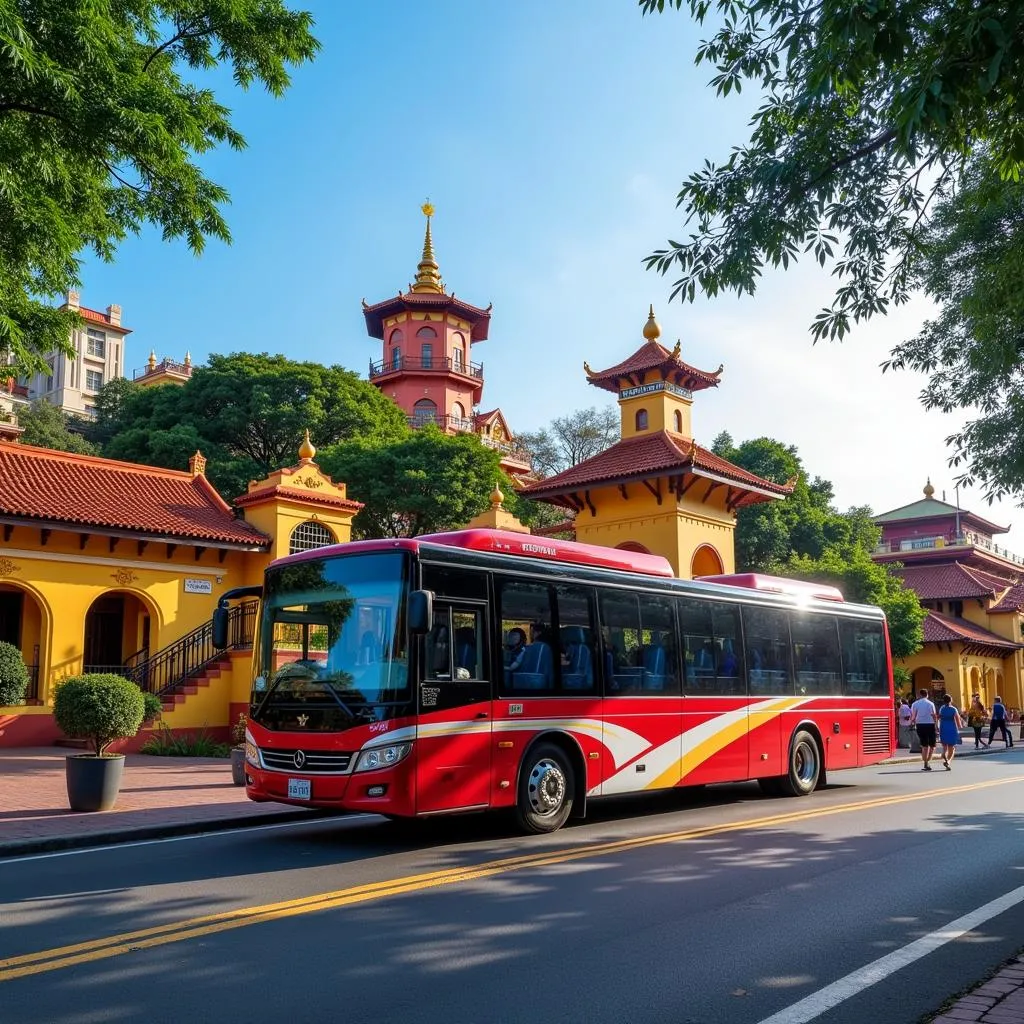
(453, 741)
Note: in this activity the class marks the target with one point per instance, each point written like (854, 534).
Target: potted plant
(238, 751)
(99, 708)
(13, 675)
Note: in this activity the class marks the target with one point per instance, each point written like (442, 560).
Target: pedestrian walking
(923, 717)
(904, 719)
(950, 725)
(976, 715)
(998, 721)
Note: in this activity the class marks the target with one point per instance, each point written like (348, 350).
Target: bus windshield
(331, 642)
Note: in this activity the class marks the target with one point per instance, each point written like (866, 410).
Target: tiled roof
(479, 319)
(651, 455)
(654, 356)
(947, 629)
(101, 318)
(81, 490)
(1011, 601)
(953, 580)
(932, 508)
(295, 494)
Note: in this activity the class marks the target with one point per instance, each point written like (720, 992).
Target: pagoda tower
(657, 490)
(426, 366)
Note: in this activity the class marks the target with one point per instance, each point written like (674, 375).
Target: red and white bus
(482, 669)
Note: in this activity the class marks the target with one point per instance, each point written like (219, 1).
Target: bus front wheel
(545, 790)
(804, 766)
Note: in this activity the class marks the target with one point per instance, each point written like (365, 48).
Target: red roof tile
(295, 494)
(947, 629)
(654, 356)
(101, 318)
(649, 455)
(374, 315)
(81, 490)
(1011, 601)
(952, 580)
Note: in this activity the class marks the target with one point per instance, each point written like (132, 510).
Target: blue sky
(551, 138)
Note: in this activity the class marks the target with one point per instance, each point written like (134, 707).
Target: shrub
(101, 708)
(238, 731)
(154, 708)
(199, 744)
(13, 675)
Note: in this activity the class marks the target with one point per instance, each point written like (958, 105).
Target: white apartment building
(71, 382)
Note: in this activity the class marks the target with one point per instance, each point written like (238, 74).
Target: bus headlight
(252, 752)
(382, 757)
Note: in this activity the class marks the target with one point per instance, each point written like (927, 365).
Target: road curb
(49, 844)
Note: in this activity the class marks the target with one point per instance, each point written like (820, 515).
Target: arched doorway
(931, 679)
(120, 630)
(706, 562)
(632, 545)
(23, 624)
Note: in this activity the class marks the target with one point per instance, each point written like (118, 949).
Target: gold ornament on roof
(586, 369)
(928, 489)
(496, 497)
(151, 361)
(428, 274)
(652, 331)
(428, 209)
(188, 358)
(306, 449)
(677, 349)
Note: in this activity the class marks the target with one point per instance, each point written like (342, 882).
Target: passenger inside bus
(534, 668)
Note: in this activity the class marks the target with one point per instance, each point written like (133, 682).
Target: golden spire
(652, 331)
(928, 489)
(188, 358)
(151, 361)
(496, 497)
(428, 275)
(306, 449)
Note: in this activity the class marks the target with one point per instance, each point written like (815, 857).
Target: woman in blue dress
(950, 725)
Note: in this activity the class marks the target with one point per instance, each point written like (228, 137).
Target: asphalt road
(716, 906)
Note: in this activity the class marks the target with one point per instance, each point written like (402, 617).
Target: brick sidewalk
(159, 795)
(1000, 1000)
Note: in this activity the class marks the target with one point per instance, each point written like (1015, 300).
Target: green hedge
(13, 675)
(101, 708)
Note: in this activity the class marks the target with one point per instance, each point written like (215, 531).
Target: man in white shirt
(923, 716)
(904, 719)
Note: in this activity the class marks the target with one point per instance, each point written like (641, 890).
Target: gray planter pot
(238, 765)
(93, 782)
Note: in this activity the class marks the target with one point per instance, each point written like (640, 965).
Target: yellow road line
(178, 931)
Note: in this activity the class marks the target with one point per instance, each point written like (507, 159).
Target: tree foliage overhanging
(104, 115)
(807, 538)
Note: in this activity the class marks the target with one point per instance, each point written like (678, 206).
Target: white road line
(178, 839)
(839, 991)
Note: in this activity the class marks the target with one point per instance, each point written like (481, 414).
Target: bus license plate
(300, 789)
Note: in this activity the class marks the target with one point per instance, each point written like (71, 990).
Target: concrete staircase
(180, 692)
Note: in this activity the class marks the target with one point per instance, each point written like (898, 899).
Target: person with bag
(976, 715)
(999, 722)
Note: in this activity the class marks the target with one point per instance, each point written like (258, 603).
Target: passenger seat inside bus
(578, 671)
(655, 666)
(536, 670)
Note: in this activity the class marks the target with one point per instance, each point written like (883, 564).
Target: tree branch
(26, 108)
(185, 33)
(875, 144)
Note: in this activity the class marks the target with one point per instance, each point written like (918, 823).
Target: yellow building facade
(109, 566)
(657, 490)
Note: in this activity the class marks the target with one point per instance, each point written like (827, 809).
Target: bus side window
(729, 648)
(700, 657)
(524, 612)
(438, 648)
(575, 643)
(469, 655)
(815, 653)
(864, 667)
(769, 653)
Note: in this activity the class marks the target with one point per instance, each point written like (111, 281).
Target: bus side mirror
(421, 611)
(221, 621)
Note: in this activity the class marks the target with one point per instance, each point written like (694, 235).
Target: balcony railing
(438, 364)
(966, 539)
(509, 450)
(165, 365)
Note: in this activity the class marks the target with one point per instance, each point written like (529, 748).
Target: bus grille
(877, 735)
(313, 761)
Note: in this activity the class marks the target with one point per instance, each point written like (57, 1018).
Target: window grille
(308, 536)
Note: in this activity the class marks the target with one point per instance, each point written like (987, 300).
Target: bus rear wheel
(804, 766)
(546, 786)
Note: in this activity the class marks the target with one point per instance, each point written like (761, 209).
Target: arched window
(307, 536)
(423, 412)
(396, 359)
(641, 419)
(458, 349)
(396, 337)
(457, 357)
(678, 420)
(458, 411)
(426, 332)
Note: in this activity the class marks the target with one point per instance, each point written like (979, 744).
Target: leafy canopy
(870, 110)
(46, 426)
(247, 414)
(805, 537)
(103, 119)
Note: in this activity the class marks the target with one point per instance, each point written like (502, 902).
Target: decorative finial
(677, 349)
(792, 481)
(428, 275)
(496, 498)
(586, 369)
(197, 464)
(188, 357)
(652, 331)
(693, 450)
(306, 449)
(721, 367)
(151, 361)
(928, 489)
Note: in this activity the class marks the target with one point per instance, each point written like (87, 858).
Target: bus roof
(800, 589)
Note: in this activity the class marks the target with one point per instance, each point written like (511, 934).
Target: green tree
(427, 483)
(572, 439)
(108, 404)
(247, 414)
(104, 120)
(973, 253)
(46, 426)
(807, 538)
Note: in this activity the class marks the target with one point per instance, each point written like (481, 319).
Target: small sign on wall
(198, 586)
